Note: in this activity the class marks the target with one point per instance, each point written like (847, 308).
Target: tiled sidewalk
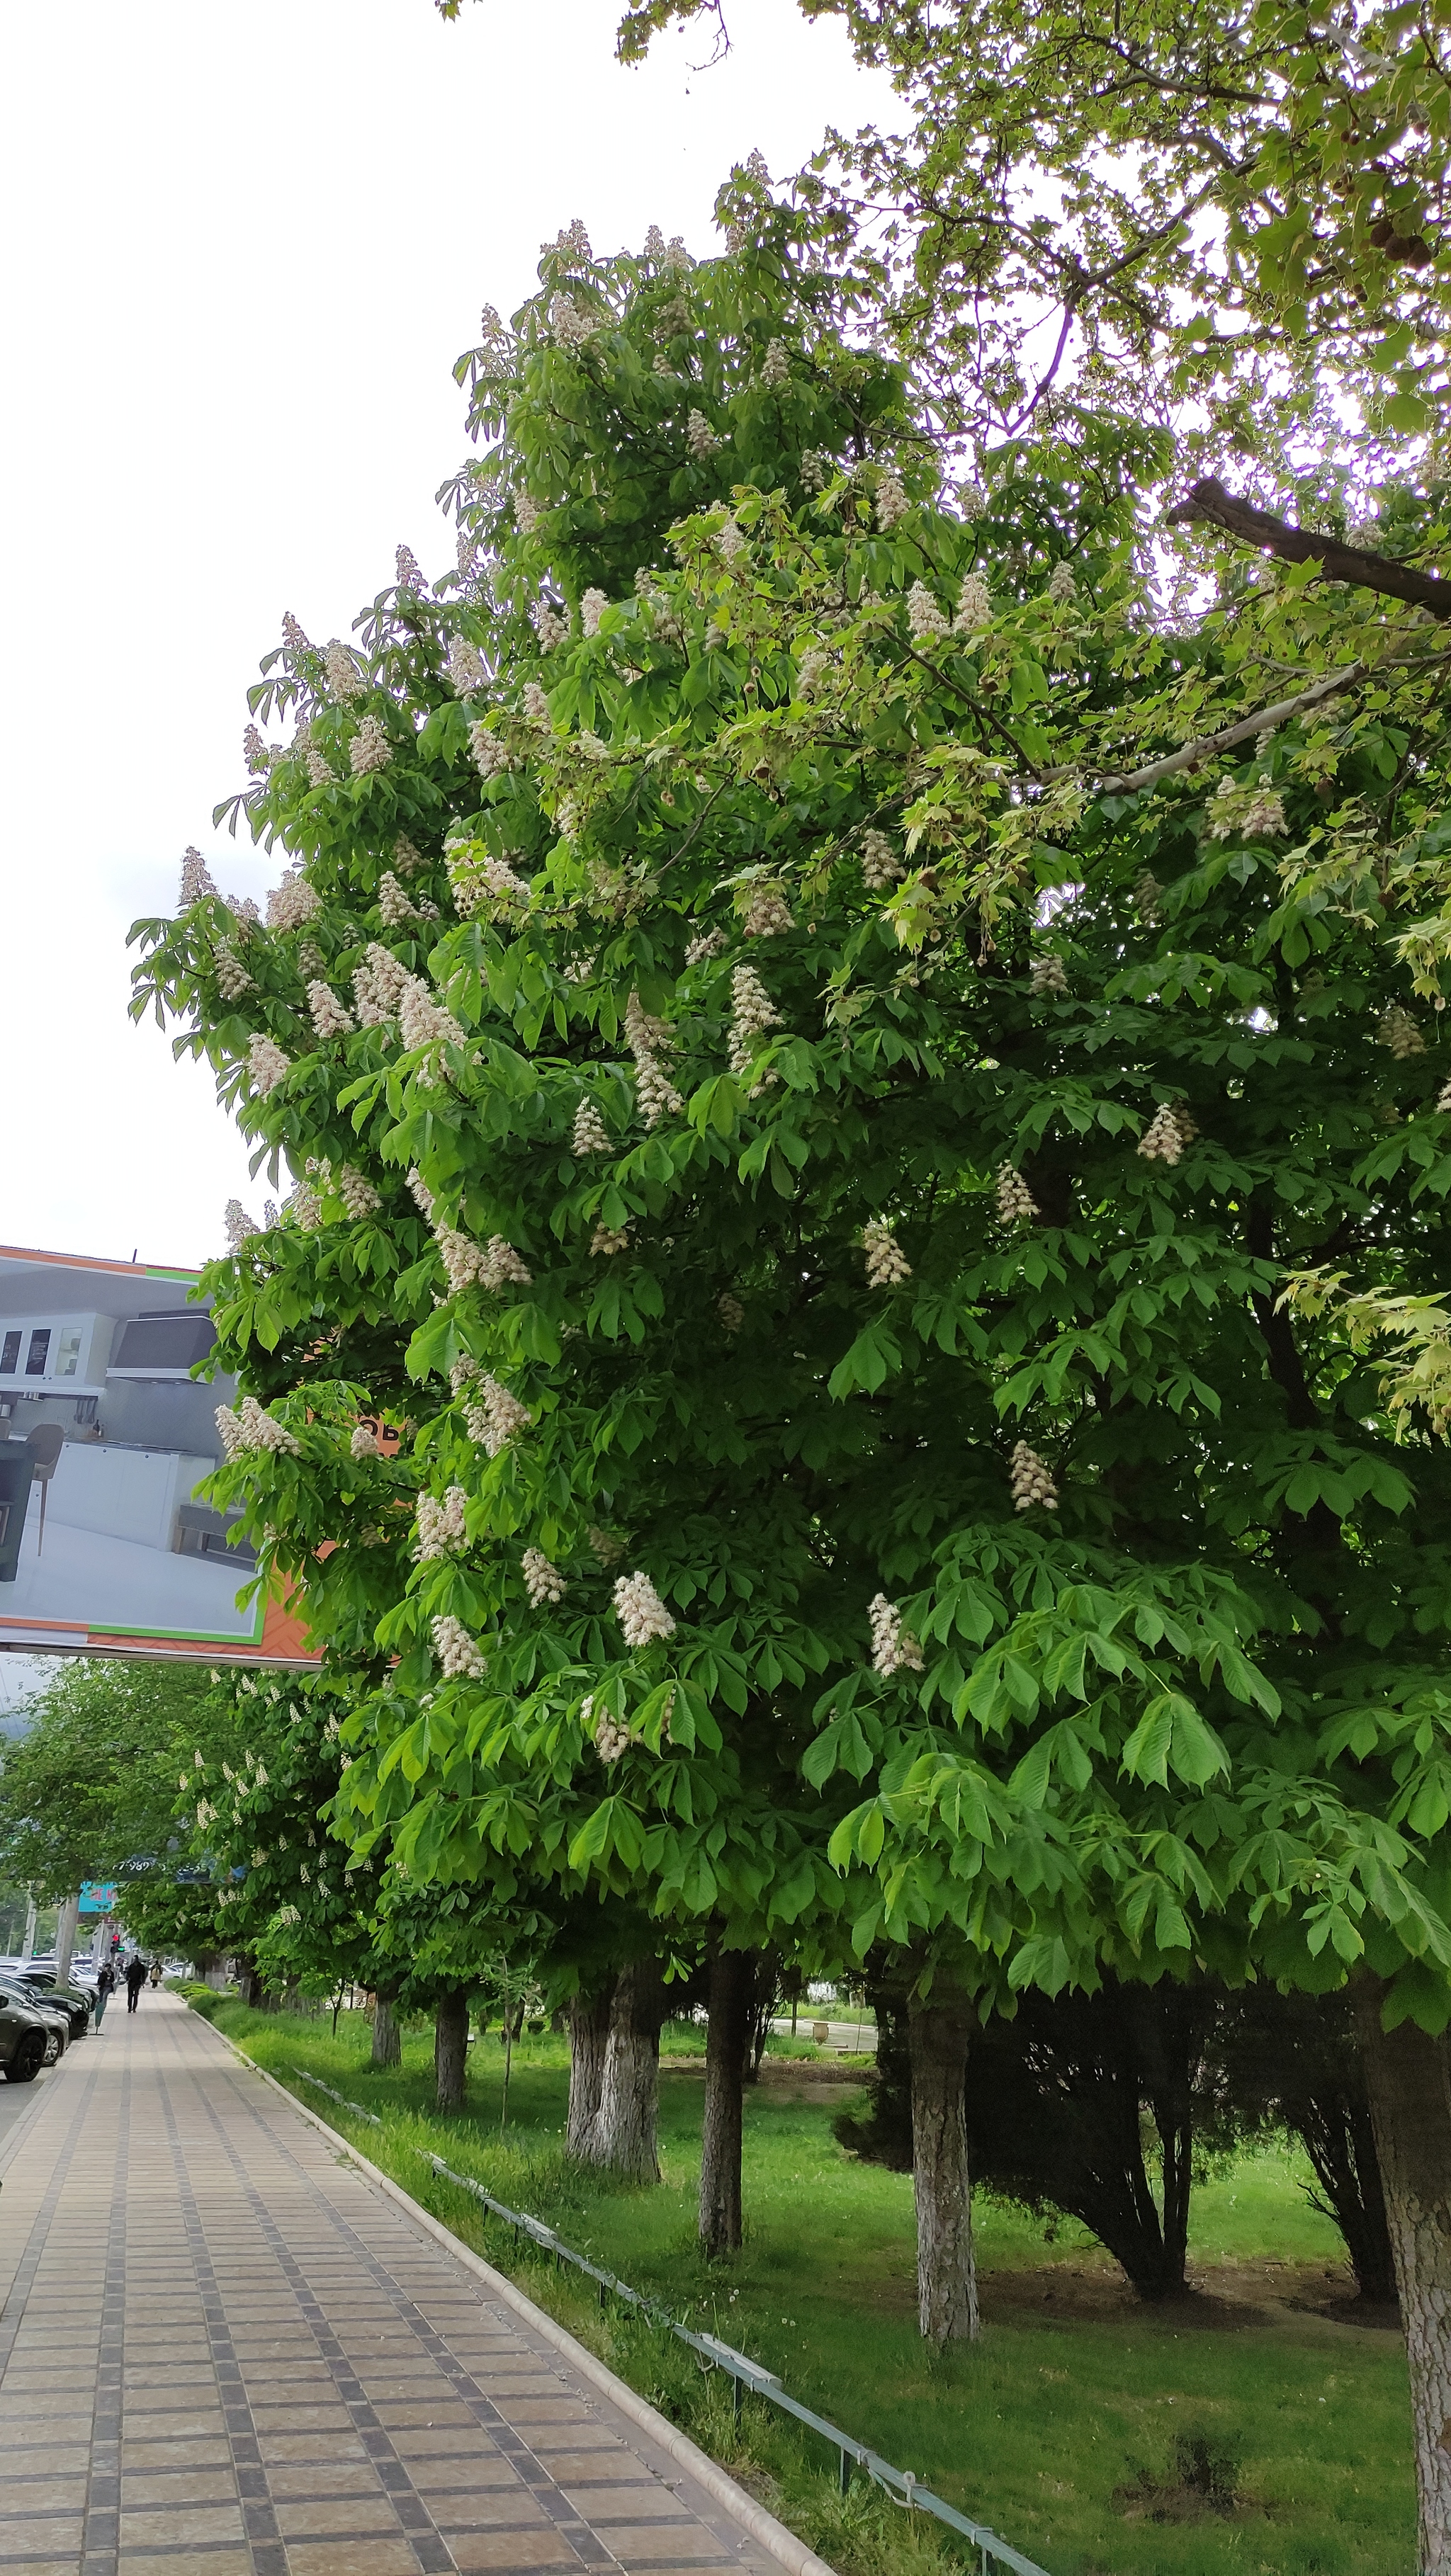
(221, 2349)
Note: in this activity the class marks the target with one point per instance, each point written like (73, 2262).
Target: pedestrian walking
(105, 1988)
(135, 1980)
(155, 1974)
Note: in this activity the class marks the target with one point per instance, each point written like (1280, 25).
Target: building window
(68, 1352)
(38, 1353)
(10, 1354)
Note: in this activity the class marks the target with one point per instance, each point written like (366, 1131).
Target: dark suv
(23, 2041)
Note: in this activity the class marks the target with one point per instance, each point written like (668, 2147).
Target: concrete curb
(763, 2527)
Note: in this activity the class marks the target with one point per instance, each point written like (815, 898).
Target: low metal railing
(746, 2375)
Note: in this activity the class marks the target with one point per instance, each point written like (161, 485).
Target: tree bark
(450, 2051)
(732, 1991)
(65, 1938)
(588, 2017)
(1410, 2108)
(624, 2131)
(1210, 501)
(387, 2037)
(938, 2033)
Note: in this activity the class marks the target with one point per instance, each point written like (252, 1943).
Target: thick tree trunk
(1410, 2106)
(624, 2129)
(589, 2028)
(451, 2051)
(387, 2037)
(938, 2033)
(65, 1938)
(732, 1987)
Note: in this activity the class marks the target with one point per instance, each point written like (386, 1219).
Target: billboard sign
(97, 1898)
(107, 1542)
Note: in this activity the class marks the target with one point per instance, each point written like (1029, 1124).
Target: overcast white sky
(246, 242)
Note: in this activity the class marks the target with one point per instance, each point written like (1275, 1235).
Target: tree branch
(1209, 745)
(1209, 501)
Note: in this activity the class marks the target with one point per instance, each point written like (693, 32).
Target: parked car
(58, 2019)
(23, 2041)
(70, 2001)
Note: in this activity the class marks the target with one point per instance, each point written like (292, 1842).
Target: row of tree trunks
(614, 2036)
(451, 2049)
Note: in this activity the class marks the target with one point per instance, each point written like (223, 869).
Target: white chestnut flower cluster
(536, 705)
(752, 1013)
(1397, 1030)
(459, 1654)
(605, 1546)
(266, 1063)
(441, 1530)
(480, 880)
(293, 903)
(422, 1019)
(364, 1442)
(466, 669)
(591, 609)
(196, 879)
(705, 945)
(811, 670)
(494, 1265)
(1047, 977)
(892, 503)
(1147, 891)
(731, 1312)
(343, 677)
(768, 915)
(610, 1239)
(776, 364)
(1255, 813)
(255, 752)
(330, 1017)
(394, 904)
(881, 866)
(925, 619)
(238, 1224)
(887, 1264)
(378, 985)
(410, 576)
(357, 1193)
(369, 749)
(569, 327)
(591, 1135)
(232, 977)
(1163, 1139)
(420, 1193)
(611, 1739)
(648, 1040)
(490, 755)
(550, 625)
(406, 859)
(1061, 584)
(1029, 1480)
(304, 1207)
(492, 1415)
(1016, 1204)
(974, 605)
(320, 771)
(700, 438)
(817, 469)
(542, 1581)
(640, 1611)
(251, 1429)
(894, 1648)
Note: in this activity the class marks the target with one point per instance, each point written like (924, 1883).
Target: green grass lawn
(1050, 2430)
